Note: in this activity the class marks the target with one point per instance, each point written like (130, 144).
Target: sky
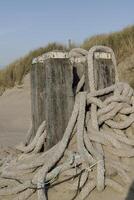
(28, 24)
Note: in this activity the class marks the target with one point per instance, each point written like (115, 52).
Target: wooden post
(104, 67)
(52, 94)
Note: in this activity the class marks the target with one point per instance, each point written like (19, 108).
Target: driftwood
(99, 123)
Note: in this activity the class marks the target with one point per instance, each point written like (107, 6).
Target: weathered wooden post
(52, 94)
(102, 67)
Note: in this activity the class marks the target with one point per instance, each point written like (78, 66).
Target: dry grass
(14, 73)
(121, 42)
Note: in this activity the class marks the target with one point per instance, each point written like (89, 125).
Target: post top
(52, 54)
(57, 54)
(77, 58)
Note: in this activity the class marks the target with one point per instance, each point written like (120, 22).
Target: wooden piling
(103, 68)
(52, 95)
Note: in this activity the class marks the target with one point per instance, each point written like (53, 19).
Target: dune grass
(14, 73)
(121, 42)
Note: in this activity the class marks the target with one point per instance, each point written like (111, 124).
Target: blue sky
(28, 24)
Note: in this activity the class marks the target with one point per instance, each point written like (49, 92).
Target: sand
(15, 116)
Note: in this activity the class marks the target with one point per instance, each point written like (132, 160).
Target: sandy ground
(15, 114)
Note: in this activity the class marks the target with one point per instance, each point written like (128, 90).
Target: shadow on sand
(130, 195)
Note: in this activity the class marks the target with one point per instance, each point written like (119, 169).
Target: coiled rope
(104, 138)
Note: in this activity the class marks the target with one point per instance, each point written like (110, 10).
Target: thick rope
(104, 140)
